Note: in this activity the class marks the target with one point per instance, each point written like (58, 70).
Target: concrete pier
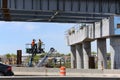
(101, 51)
(86, 54)
(99, 31)
(115, 52)
(73, 56)
(79, 56)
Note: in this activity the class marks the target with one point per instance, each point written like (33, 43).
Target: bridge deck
(65, 11)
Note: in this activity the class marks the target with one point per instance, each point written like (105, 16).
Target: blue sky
(14, 36)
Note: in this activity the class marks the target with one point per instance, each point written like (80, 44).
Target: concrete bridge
(70, 11)
(80, 42)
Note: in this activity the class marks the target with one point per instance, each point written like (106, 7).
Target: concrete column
(115, 52)
(73, 56)
(79, 56)
(111, 26)
(86, 54)
(101, 50)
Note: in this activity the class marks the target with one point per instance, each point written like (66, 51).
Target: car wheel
(1, 74)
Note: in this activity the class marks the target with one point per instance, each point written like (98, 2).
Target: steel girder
(67, 11)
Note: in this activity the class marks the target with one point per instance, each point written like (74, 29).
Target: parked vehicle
(6, 70)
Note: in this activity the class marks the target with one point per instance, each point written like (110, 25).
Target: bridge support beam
(73, 56)
(101, 50)
(5, 10)
(86, 54)
(79, 56)
(115, 52)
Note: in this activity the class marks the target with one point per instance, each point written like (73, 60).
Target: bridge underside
(64, 11)
(53, 16)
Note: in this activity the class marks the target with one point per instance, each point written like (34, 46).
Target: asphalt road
(57, 78)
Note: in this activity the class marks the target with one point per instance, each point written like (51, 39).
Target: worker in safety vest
(33, 45)
(39, 44)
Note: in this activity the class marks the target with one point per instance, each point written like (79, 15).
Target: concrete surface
(102, 53)
(79, 56)
(69, 72)
(58, 78)
(53, 74)
(115, 50)
(86, 54)
(73, 56)
(102, 29)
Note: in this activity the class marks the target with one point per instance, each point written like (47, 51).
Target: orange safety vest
(33, 43)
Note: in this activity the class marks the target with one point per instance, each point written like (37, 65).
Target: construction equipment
(40, 63)
(33, 51)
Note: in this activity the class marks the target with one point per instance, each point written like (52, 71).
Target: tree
(36, 58)
(62, 54)
(42, 55)
(108, 54)
(58, 54)
(93, 53)
(14, 55)
(8, 55)
(68, 54)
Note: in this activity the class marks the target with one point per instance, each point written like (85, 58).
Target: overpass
(64, 11)
(69, 11)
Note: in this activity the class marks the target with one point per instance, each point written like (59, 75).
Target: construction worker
(39, 45)
(33, 45)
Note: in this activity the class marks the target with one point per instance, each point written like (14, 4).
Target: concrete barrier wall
(68, 70)
(32, 73)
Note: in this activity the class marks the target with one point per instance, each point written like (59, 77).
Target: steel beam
(87, 6)
(36, 15)
(80, 18)
(60, 9)
(5, 10)
(54, 20)
(5, 2)
(52, 17)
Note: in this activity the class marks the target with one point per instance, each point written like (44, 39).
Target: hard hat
(33, 39)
